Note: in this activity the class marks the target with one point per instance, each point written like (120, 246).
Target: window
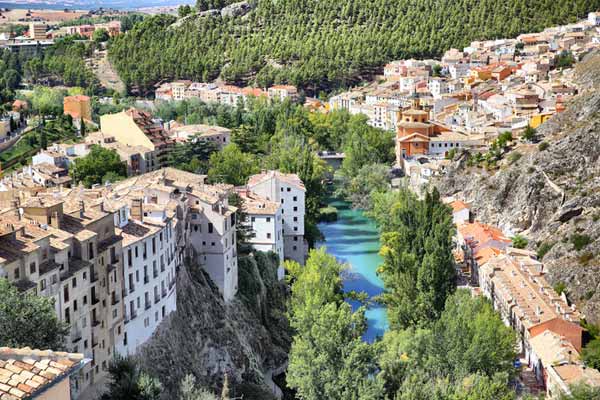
(253, 219)
(90, 250)
(74, 282)
(84, 300)
(295, 248)
(74, 305)
(295, 219)
(42, 284)
(268, 219)
(212, 243)
(129, 257)
(136, 252)
(17, 273)
(295, 208)
(295, 238)
(289, 189)
(153, 245)
(67, 316)
(281, 201)
(295, 198)
(269, 235)
(32, 268)
(210, 227)
(66, 294)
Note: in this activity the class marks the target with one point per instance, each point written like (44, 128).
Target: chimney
(55, 220)
(137, 209)
(81, 208)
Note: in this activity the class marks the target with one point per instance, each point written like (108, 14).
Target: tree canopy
(98, 166)
(320, 45)
(28, 320)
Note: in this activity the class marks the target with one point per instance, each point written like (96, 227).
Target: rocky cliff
(207, 337)
(550, 193)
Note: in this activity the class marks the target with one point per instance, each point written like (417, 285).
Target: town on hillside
(96, 215)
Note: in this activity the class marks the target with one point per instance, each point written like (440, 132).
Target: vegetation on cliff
(320, 44)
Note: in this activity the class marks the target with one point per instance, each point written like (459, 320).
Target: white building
(265, 218)
(149, 269)
(289, 191)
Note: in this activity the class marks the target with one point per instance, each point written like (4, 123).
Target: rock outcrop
(551, 194)
(207, 337)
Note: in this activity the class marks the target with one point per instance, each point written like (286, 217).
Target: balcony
(164, 293)
(95, 323)
(75, 335)
(147, 306)
(156, 299)
(146, 279)
(95, 300)
(131, 288)
(114, 301)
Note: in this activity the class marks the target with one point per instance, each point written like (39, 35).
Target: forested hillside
(322, 44)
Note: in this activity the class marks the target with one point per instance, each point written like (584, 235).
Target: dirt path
(105, 72)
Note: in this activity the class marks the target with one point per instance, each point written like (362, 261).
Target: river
(354, 239)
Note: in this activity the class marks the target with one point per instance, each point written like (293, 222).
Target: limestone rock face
(207, 337)
(236, 9)
(551, 196)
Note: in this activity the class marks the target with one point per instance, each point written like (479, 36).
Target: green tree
(47, 101)
(97, 166)
(29, 320)
(232, 166)
(418, 271)
(328, 358)
(529, 133)
(128, 382)
(190, 391)
(371, 178)
(519, 241)
(366, 145)
(582, 391)
(591, 354)
(100, 36)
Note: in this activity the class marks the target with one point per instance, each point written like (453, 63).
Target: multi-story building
(137, 128)
(138, 159)
(265, 219)
(209, 133)
(78, 107)
(289, 191)
(37, 31)
(282, 92)
(64, 250)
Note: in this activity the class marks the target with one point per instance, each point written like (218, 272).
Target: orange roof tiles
(25, 372)
(458, 205)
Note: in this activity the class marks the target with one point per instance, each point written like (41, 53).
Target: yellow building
(537, 119)
(78, 107)
(136, 128)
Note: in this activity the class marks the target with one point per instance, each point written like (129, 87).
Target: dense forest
(321, 45)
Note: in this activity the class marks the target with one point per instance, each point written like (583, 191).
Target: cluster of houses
(109, 255)
(472, 95)
(219, 93)
(550, 337)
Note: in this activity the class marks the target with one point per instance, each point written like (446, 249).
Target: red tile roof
(25, 372)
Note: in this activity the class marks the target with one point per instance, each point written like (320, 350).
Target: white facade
(149, 268)
(268, 235)
(213, 238)
(288, 190)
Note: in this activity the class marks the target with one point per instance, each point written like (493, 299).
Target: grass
(580, 241)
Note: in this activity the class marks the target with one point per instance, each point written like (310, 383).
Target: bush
(560, 288)
(328, 214)
(514, 157)
(519, 242)
(543, 146)
(544, 248)
(580, 241)
(528, 133)
(585, 258)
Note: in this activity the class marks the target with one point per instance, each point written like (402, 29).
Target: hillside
(321, 45)
(552, 196)
(207, 337)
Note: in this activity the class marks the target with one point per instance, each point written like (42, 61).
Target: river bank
(354, 239)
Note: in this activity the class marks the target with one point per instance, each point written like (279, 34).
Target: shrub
(328, 214)
(560, 288)
(544, 248)
(528, 133)
(585, 258)
(514, 157)
(543, 146)
(580, 241)
(519, 241)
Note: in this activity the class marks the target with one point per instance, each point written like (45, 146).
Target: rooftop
(25, 373)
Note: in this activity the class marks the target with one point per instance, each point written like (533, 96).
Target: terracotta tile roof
(25, 372)
(575, 373)
(481, 233)
(458, 205)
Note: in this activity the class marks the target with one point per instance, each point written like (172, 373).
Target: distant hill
(322, 45)
(90, 4)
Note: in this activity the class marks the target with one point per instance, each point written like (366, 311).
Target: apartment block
(289, 191)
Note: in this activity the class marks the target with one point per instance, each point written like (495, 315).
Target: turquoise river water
(354, 239)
